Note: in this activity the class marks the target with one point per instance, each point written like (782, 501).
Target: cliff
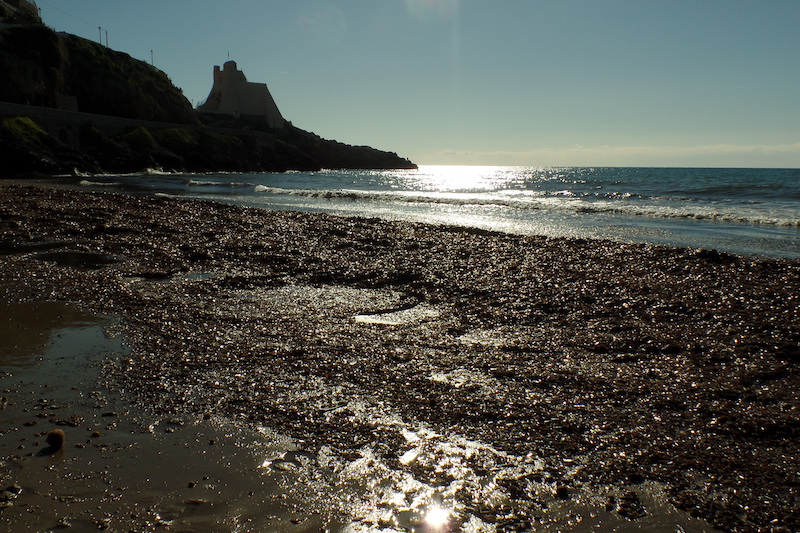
(50, 69)
(45, 69)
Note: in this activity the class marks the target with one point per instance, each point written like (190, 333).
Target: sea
(736, 210)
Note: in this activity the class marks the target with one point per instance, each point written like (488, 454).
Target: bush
(23, 130)
(176, 140)
(138, 139)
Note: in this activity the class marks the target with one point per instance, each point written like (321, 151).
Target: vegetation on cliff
(26, 148)
(57, 70)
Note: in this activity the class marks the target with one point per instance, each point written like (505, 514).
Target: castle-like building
(233, 95)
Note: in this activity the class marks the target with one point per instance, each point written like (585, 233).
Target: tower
(233, 95)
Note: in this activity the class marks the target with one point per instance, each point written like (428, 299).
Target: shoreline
(640, 364)
(758, 234)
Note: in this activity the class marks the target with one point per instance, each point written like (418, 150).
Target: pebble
(673, 299)
(55, 439)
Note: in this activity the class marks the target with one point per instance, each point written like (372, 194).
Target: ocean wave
(159, 172)
(676, 212)
(455, 199)
(89, 183)
(199, 183)
(605, 204)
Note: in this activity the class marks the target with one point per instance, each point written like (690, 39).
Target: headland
(72, 105)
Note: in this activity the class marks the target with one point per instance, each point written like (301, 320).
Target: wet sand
(520, 382)
(123, 467)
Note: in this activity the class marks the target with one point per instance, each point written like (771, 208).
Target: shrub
(176, 139)
(138, 139)
(23, 130)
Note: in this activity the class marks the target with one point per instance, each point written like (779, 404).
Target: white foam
(88, 183)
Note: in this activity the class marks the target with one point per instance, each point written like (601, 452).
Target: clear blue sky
(500, 82)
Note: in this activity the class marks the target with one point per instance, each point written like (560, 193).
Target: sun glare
(452, 178)
(436, 518)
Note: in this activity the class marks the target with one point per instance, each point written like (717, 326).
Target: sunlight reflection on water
(461, 178)
(448, 483)
(436, 517)
(747, 211)
(407, 476)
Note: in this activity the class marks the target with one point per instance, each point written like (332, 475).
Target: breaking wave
(90, 183)
(231, 184)
(625, 204)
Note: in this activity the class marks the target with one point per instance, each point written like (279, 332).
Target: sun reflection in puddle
(438, 483)
(437, 518)
(448, 483)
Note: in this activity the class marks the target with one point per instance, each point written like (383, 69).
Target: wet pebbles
(647, 363)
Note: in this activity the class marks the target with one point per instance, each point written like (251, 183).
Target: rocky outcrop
(333, 154)
(19, 12)
(45, 69)
(59, 70)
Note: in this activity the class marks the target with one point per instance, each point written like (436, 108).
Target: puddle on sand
(26, 329)
(121, 469)
(447, 483)
(399, 317)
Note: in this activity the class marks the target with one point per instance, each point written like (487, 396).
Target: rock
(55, 439)
(611, 504)
(562, 492)
(636, 478)
(630, 506)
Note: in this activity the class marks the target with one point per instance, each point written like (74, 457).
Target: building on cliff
(19, 11)
(232, 95)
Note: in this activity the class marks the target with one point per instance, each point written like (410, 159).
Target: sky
(686, 83)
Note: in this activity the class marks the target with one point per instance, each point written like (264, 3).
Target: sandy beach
(523, 383)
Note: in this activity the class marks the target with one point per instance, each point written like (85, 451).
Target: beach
(595, 373)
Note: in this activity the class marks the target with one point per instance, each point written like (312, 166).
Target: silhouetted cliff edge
(59, 78)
